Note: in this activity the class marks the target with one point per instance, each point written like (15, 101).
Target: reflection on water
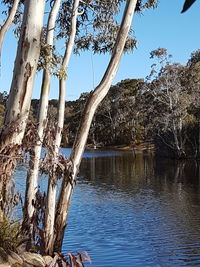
(129, 211)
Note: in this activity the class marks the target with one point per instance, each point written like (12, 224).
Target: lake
(134, 211)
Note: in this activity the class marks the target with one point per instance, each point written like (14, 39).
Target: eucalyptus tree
(24, 72)
(19, 99)
(88, 12)
(49, 216)
(47, 49)
(108, 36)
(72, 11)
(92, 104)
(70, 16)
(128, 128)
(8, 22)
(170, 100)
(193, 86)
(115, 117)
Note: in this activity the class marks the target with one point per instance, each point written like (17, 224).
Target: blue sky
(163, 27)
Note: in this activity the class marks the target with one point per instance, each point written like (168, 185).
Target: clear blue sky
(163, 27)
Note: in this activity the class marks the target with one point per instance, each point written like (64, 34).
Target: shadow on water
(129, 211)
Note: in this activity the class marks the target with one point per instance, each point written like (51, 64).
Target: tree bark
(52, 187)
(32, 176)
(93, 102)
(49, 236)
(19, 100)
(8, 23)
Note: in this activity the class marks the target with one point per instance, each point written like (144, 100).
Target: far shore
(143, 147)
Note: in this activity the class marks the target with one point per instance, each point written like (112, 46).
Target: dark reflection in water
(139, 211)
(129, 211)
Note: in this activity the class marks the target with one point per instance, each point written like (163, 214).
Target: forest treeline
(162, 109)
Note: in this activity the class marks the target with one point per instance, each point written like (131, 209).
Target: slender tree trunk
(175, 134)
(32, 176)
(93, 102)
(49, 236)
(51, 193)
(8, 23)
(19, 100)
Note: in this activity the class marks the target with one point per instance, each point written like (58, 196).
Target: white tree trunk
(19, 100)
(52, 187)
(93, 102)
(8, 23)
(24, 71)
(49, 236)
(32, 176)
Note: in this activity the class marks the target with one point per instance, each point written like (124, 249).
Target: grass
(10, 234)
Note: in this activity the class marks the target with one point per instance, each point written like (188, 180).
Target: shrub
(10, 234)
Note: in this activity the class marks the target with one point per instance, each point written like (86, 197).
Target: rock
(32, 259)
(47, 259)
(3, 256)
(16, 265)
(25, 264)
(21, 248)
(6, 264)
(14, 258)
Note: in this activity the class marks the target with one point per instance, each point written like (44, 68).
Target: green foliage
(98, 25)
(165, 109)
(194, 58)
(10, 234)
(142, 5)
(160, 53)
(171, 100)
(61, 74)
(49, 59)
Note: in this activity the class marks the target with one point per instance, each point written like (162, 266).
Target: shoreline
(143, 147)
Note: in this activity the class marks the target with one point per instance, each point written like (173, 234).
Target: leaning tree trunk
(93, 102)
(49, 236)
(8, 23)
(19, 100)
(32, 176)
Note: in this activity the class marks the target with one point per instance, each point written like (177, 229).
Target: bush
(10, 234)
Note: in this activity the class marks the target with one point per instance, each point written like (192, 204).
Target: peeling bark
(52, 187)
(25, 67)
(32, 176)
(19, 100)
(93, 102)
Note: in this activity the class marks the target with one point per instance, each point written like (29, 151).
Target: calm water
(130, 211)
